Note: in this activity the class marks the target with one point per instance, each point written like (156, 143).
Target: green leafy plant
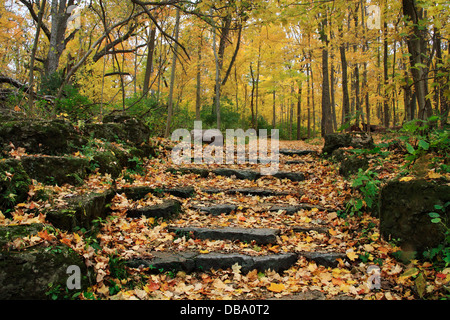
(424, 137)
(368, 187)
(441, 253)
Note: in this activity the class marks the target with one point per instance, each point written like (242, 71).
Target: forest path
(240, 237)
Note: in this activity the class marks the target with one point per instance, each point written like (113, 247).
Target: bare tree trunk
(417, 47)
(33, 56)
(345, 97)
(172, 76)
(299, 110)
(59, 15)
(386, 78)
(198, 88)
(365, 89)
(149, 65)
(252, 97)
(217, 86)
(273, 111)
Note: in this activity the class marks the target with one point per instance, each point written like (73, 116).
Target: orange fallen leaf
(352, 255)
(337, 281)
(45, 235)
(66, 241)
(276, 287)
(152, 286)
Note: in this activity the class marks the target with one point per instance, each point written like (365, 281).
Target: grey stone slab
(257, 192)
(260, 235)
(168, 209)
(327, 259)
(192, 261)
(216, 209)
(289, 152)
(238, 173)
(293, 176)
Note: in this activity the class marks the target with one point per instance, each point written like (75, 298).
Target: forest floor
(319, 228)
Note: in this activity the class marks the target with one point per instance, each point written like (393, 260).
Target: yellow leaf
(276, 287)
(352, 255)
(77, 237)
(411, 272)
(434, 175)
(204, 251)
(406, 179)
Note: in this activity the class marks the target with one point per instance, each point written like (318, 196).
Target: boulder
(55, 137)
(404, 208)
(56, 169)
(168, 209)
(344, 140)
(350, 164)
(14, 183)
(33, 273)
(81, 211)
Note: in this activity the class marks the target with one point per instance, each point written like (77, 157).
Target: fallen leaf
(276, 287)
(420, 285)
(352, 255)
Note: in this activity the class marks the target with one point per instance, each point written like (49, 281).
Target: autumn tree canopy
(305, 67)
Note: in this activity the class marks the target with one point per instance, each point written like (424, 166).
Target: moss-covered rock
(36, 272)
(81, 211)
(9, 233)
(404, 209)
(41, 137)
(56, 169)
(350, 164)
(107, 162)
(344, 140)
(14, 183)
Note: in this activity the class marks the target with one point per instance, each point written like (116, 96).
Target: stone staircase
(199, 260)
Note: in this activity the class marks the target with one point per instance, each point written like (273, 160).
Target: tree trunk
(386, 78)
(198, 88)
(417, 47)
(33, 56)
(218, 62)
(299, 110)
(273, 111)
(326, 123)
(149, 66)
(59, 17)
(345, 97)
(172, 76)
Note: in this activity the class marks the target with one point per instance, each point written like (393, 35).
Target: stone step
(289, 152)
(327, 259)
(216, 209)
(227, 208)
(140, 192)
(193, 261)
(310, 228)
(168, 209)
(260, 235)
(249, 191)
(243, 174)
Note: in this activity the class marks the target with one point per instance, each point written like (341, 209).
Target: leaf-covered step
(215, 209)
(168, 209)
(243, 174)
(227, 208)
(140, 192)
(289, 152)
(249, 191)
(193, 261)
(260, 235)
(327, 259)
